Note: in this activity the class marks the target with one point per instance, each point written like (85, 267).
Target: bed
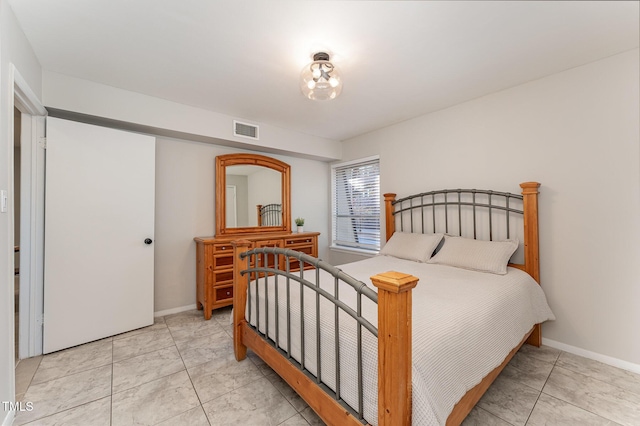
(363, 344)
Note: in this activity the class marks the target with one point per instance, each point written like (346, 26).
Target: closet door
(99, 230)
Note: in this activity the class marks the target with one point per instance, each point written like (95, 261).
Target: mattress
(464, 325)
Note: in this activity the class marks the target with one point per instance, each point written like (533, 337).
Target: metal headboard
(452, 206)
(269, 215)
(472, 213)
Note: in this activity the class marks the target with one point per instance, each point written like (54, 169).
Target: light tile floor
(181, 371)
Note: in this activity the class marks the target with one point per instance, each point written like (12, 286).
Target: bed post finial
(390, 222)
(394, 347)
(240, 285)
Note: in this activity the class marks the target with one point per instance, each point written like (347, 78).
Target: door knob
(148, 241)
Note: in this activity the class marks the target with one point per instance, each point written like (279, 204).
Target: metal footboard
(271, 267)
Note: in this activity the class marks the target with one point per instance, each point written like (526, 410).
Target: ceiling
(398, 59)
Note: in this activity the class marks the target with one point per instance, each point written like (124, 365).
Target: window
(355, 212)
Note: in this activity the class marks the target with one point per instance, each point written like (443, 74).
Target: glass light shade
(320, 81)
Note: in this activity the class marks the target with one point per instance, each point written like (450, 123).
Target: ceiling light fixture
(320, 81)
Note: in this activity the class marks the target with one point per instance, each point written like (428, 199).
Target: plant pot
(300, 229)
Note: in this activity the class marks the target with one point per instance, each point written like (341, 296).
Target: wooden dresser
(214, 263)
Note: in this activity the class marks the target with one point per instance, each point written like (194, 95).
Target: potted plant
(300, 224)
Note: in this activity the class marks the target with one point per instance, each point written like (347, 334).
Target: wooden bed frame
(394, 334)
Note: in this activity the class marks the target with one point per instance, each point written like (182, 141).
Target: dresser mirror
(252, 194)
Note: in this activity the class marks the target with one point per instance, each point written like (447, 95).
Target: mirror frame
(222, 161)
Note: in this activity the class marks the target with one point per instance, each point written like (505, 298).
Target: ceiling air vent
(245, 130)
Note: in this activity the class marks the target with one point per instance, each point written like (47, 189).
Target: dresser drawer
(268, 243)
(304, 249)
(305, 245)
(298, 240)
(222, 248)
(222, 277)
(266, 260)
(223, 293)
(222, 261)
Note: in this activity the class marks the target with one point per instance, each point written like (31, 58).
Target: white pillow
(410, 246)
(476, 255)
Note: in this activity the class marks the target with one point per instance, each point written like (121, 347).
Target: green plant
(300, 221)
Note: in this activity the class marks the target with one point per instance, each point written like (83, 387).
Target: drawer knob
(228, 293)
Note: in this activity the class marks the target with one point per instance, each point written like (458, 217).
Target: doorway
(17, 115)
(27, 199)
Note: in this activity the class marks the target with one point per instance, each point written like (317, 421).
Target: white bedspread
(464, 325)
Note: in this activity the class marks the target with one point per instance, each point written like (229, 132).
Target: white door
(99, 210)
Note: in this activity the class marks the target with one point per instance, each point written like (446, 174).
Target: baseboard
(174, 310)
(8, 419)
(605, 359)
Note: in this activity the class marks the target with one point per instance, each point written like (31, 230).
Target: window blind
(356, 205)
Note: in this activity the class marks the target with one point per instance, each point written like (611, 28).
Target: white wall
(185, 208)
(86, 97)
(576, 132)
(14, 49)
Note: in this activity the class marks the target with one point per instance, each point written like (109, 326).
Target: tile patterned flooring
(181, 371)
